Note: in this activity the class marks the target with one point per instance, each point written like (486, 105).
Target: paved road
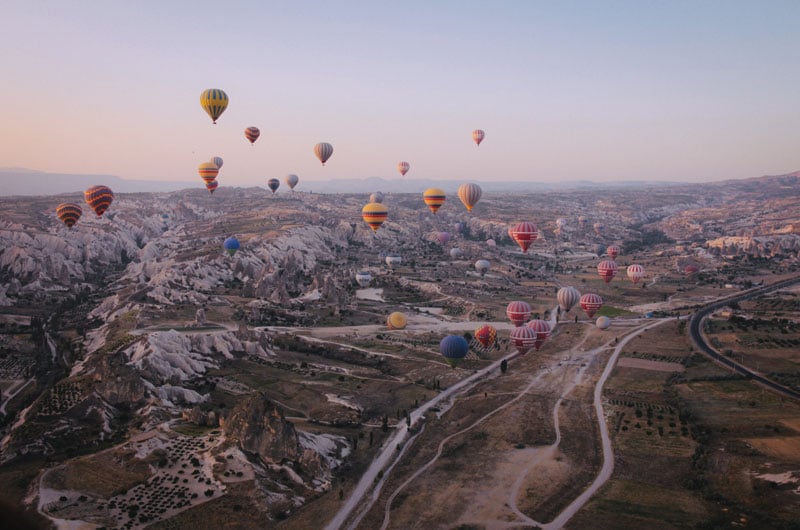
(696, 334)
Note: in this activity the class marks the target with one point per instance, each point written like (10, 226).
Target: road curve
(699, 341)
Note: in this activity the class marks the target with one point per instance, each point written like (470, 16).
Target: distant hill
(21, 181)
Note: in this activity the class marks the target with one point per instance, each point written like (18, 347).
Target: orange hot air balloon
(252, 134)
(403, 167)
(478, 136)
(486, 335)
(69, 213)
(99, 198)
(434, 198)
(374, 214)
(208, 171)
(396, 320)
(524, 234)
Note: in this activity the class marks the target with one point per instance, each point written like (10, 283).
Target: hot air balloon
(524, 234)
(363, 278)
(99, 198)
(590, 303)
(561, 223)
(599, 249)
(635, 272)
(607, 269)
(214, 101)
(443, 237)
(434, 198)
(403, 167)
(376, 197)
(469, 194)
(396, 320)
(393, 261)
(273, 184)
(518, 312)
(486, 335)
(323, 151)
(208, 171)
(478, 136)
(523, 338)
(599, 228)
(567, 297)
(612, 251)
(217, 161)
(542, 330)
(603, 323)
(458, 227)
(453, 349)
(374, 214)
(482, 265)
(582, 221)
(231, 245)
(491, 243)
(291, 181)
(252, 134)
(212, 185)
(69, 213)
(455, 253)
(691, 269)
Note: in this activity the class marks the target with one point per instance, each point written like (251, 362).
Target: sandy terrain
(644, 364)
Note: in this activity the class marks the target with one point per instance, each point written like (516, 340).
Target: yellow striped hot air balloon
(99, 198)
(69, 213)
(396, 320)
(469, 194)
(374, 214)
(434, 198)
(214, 101)
(208, 171)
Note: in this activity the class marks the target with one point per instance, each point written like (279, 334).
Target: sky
(573, 90)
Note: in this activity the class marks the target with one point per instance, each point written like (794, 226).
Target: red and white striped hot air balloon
(252, 134)
(523, 338)
(478, 135)
(590, 303)
(518, 312)
(635, 272)
(612, 251)
(542, 330)
(607, 269)
(403, 168)
(524, 234)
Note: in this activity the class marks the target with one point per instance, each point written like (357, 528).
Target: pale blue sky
(565, 90)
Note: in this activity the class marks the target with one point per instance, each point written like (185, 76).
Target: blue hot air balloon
(231, 245)
(453, 349)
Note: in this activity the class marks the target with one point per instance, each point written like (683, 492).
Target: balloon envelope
(252, 134)
(323, 151)
(273, 184)
(403, 167)
(524, 234)
(486, 335)
(396, 320)
(469, 194)
(603, 322)
(523, 338)
(291, 181)
(635, 272)
(518, 312)
(376, 197)
(454, 348)
(567, 297)
(477, 136)
(542, 330)
(99, 198)
(590, 303)
(217, 161)
(607, 269)
(363, 278)
(214, 101)
(69, 213)
(393, 261)
(231, 245)
(434, 198)
(208, 171)
(211, 186)
(374, 214)
(482, 265)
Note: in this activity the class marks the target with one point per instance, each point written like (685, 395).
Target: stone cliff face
(259, 427)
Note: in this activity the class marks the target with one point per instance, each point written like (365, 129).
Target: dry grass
(104, 474)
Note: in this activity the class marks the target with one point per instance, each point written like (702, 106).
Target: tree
(504, 366)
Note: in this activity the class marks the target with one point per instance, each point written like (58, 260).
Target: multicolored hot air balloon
(69, 213)
(212, 185)
(454, 348)
(567, 297)
(323, 151)
(291, 181)
(524, 234)
(635, 272)
(599, 228)
(523, 338)
(456, 252)
(542, 330)
(217, 161)
(208, 171)
(363, 278)
(603, 323)
(482, 265)
(469, 194)
(590, 303)
(252, 134)
(477, 136)
(443, 237)
(273, 184)
(518, 312)
(607, 269)
(403, 168)
(393, 261)
(486, 335)
(613, 251)
(376, 197)
(396, 320)
(434, 198)
(214, 101)
(231, 245)
(374, 214)
(99, 198)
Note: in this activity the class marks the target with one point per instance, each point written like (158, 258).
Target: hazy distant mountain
(21, 181)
